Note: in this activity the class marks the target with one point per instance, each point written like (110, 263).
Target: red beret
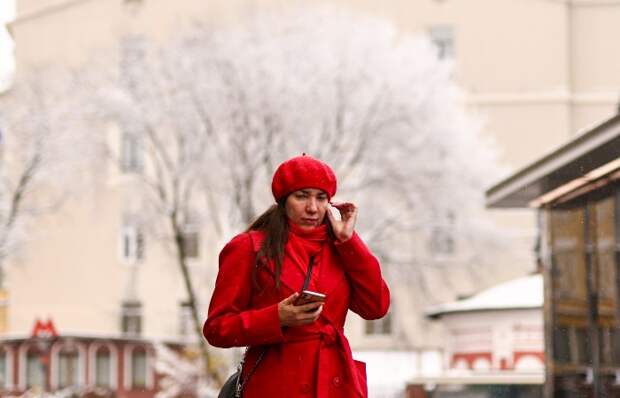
(303, 172)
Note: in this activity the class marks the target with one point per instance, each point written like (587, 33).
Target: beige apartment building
(536, 71)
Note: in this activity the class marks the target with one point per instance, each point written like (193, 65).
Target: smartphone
(308, 296)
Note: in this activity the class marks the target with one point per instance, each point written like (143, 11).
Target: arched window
(68, 364)
(529, 363)
(460, 364)
(68, 367)
(137, 373)
(103, 367)
(138, 368)
(481, 364)
(4, 369)
(34, 370)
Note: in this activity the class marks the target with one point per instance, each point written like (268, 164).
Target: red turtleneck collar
(317, 234)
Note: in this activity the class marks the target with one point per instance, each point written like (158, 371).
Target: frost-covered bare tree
(378, 106)
(153, 107)
(216, 111)
(42, 157)
(180, 376)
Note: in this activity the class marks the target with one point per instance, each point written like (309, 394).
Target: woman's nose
(312, 205)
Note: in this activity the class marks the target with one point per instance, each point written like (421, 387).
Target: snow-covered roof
(525, 292)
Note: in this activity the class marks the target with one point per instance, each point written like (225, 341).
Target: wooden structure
(576, 190)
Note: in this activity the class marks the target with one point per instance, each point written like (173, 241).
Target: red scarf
(303, 243)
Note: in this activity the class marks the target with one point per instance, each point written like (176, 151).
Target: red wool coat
(306, 361)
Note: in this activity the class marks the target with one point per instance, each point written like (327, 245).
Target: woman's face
(306, 207)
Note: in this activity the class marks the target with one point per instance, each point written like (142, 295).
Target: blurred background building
(577, 193)
(494, 344)
(538, 72)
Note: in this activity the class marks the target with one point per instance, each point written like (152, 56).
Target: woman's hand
(297, 315)
(343, 228)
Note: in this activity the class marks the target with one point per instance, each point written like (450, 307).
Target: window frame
(113, 351)
(132, 244)
(383, 326)
(130, 311)
(7, 383)
(443, 39)
(131, 155)
(128, 377)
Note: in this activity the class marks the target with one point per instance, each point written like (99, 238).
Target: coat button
(305, 388)
(337, 381)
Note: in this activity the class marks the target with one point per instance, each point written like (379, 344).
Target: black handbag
(229, 389)
(233, 387)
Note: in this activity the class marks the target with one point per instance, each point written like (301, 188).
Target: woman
(261, 273)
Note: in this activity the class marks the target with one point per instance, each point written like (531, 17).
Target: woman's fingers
(343, 206)
(295, 315)
(309, 317)
(346, 209)
(309, 307)
(290, 299)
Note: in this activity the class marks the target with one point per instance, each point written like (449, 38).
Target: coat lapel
(331, 273)
(292, 276)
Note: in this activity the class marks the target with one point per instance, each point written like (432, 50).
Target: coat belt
(330, 336)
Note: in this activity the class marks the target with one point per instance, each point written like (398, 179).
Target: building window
(381, 326)
(133, 2)
(561, 344)
(34, 371)
(103, 363)
(68, 368)
(3, 370)
(442, 237)
(442, 36)
(604, 247)
(567, 237)
(442, 241)
(191, 244)
(185, 319)
(132, 54)
(132, 244)
(131, 318)
(138, 368)
(131, 160)
(604, 345)
(584, 349)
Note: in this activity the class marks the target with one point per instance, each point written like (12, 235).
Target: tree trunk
(182, 262)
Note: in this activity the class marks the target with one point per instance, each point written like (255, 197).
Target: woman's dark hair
(274, 223)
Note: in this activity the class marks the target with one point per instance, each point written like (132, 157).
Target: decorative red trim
(517, 355)
(470, 358)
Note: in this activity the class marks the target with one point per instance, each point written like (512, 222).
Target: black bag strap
(308, 274)
(241, 383)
